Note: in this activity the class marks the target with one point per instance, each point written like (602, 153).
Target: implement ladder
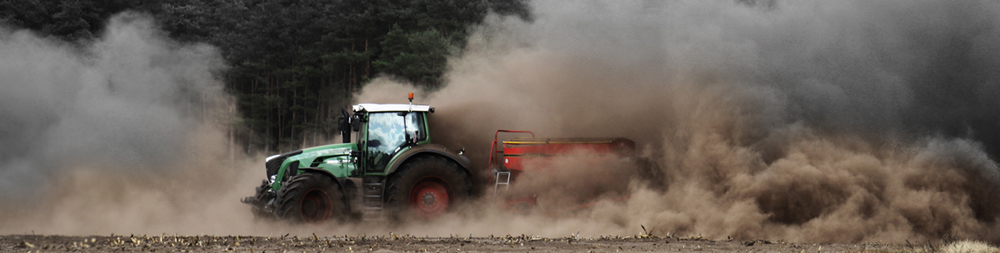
(502, 178)
(501, 173)
(372, 202)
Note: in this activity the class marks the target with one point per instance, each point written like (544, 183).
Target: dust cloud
(124, 134)
(804, 121)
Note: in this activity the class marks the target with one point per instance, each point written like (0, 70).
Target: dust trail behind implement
(805, 121)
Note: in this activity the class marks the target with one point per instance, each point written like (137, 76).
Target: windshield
(386, 135)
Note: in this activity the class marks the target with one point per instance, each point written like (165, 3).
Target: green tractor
(392, 170)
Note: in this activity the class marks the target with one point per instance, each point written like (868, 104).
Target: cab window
(387, 135)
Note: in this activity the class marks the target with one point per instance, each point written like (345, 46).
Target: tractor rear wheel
(426, 187)
(311, 198)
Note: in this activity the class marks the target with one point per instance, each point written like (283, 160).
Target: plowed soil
(397, 243)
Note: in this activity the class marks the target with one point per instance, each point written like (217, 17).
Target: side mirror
(356, 123)
(374, 143)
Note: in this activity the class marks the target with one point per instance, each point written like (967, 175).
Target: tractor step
(372, 199)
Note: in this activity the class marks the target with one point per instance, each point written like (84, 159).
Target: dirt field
(397, 243)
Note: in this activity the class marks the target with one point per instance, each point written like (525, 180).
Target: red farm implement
(517, 157)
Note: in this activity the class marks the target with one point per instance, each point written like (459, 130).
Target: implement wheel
(311, 198)
(427, 187)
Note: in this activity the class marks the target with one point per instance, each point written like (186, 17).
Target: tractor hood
(327, 150)
(335, 159)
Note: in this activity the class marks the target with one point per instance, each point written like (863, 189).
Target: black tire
(426, 187)
(310, 197)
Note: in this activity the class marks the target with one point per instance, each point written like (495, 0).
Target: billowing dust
(807, 121)
(124, 134)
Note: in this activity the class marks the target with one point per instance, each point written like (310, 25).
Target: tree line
(293, 63)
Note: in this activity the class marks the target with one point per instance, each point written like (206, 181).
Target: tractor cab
(385, 130)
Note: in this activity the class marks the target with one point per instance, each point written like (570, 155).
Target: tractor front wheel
(311, 198)
(427, 187)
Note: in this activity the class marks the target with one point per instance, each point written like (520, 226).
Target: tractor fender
(434, 149)
(340, 185)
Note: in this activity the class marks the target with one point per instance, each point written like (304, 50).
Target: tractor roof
(392, 108)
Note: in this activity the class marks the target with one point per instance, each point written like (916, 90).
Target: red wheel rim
(429, 198)
(316, 206)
